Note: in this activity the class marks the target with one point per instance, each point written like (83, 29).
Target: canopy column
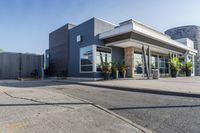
(129, 61)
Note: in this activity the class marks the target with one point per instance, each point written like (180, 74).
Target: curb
(142, 90)
(144, 130)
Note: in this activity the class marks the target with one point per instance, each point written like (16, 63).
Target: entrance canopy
(134, 34)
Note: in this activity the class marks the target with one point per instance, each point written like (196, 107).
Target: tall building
(192, 32)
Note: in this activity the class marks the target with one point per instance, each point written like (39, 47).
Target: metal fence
(17, 65)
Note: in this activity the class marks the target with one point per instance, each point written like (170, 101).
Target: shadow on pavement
(31, 84)
(140, 90)
(155, 107)
(44, 104)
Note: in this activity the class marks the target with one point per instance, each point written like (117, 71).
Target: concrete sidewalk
(180, 86)
(34, 110)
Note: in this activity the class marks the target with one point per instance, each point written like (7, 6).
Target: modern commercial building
(192, 32)
(19, 65)
(77, 50)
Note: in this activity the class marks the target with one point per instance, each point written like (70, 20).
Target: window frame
(95, 68)
(94, 56)
(80, 71)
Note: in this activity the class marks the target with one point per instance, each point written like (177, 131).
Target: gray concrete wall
(99, 27)
(64, 50)
(191, 32)
(15, 65)
(89, 31)
(59, 50)
(86, 30)
(117, 54)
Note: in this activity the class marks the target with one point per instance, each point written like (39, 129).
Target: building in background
(20, 65)
(192, 32)
(77, 51)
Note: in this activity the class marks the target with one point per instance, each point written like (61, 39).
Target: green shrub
(175, 64)
(106, 67)
(188, 65)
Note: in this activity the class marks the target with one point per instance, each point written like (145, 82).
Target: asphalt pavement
(159, 113)
(34, 110)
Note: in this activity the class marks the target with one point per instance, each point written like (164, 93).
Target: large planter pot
(123, 74)
(116, 74)
(173, 73)
(106, 76)
(188, 73)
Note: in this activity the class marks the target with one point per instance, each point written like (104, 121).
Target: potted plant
(106, 69)
(175, 66)
(115, 70)
(122, 68)
(188, 68)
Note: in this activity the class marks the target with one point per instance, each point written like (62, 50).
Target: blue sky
(25, 24)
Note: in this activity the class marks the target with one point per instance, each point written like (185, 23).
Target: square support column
(129, 61)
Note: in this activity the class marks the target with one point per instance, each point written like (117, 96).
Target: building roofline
(150, 27)
(134, 26)
(20, 53)
(62, 27)
(179, 27)
(105, 21)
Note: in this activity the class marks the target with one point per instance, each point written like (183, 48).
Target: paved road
(32, 110)
(159, 113)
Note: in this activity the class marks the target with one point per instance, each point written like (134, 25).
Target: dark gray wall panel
(86, 30)
(9, 66)
(15, 65)
(117, 54)
(29, 63)
(64, 49)
(59, 50)
(89, 31)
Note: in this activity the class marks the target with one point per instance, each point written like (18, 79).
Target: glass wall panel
(154, 62)
(163, 65)
(103, 54)
(86, 59)
(138, 63)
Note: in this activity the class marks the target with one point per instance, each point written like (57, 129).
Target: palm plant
(122, 68)
(115, 69)
(188, 68)
(105, 67)
(175, 66)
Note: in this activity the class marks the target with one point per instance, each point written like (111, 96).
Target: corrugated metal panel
(15, 65)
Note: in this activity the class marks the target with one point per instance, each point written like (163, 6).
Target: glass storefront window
(87, 55)
(163, 65)
(103, 54)
(138, 63)
(86, 59)
(154, 62)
